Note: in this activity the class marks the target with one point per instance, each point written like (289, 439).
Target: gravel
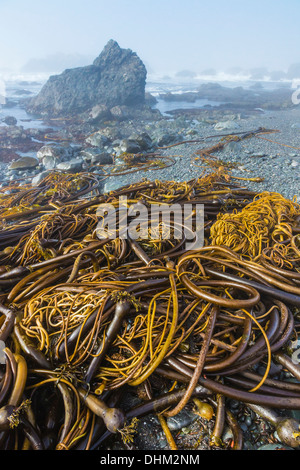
(278, 163)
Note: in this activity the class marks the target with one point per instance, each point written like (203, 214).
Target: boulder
(95, 155)
(58, 151)
(116, 78)
(24, 163)
(103, 158)
(104, 136)
(97, 139)
(99, 113)
(143, 140)
(163, 138)
(129, 146)
(49, 162)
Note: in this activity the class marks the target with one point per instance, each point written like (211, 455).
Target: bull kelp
(86, 320)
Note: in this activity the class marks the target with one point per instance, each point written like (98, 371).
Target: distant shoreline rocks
(254, 97)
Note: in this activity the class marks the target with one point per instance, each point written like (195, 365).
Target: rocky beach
(70, 132)
(100, 122)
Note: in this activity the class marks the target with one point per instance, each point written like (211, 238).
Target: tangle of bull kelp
(17, 200)
(264, 224)
(87, 320)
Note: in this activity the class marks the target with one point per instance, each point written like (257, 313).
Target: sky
(168, 35)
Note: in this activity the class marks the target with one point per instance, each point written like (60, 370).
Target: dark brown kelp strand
(90, 324)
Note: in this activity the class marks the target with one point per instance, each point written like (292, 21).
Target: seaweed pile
(85, 319)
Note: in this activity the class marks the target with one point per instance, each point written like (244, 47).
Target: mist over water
(232, 43)
(170, 36)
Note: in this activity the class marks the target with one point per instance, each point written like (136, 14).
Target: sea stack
(116, 78)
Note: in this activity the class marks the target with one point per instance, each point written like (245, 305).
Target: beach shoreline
(276, 160)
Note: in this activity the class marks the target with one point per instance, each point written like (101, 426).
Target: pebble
(258, 155)
(248, 446)
(244, 427)
(227, 434)
(233, 404)
(181, 420)
(248, 421)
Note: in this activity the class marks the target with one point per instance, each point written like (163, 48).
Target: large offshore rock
(116, 78)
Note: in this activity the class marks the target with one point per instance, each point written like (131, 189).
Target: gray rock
(10, 120)
(181, 420)
(143, 140)
(294, 164)
(95, 155)
(117, 77)
(72, 165)
(103, 158)
(99, 112)
(129, 146)
(39, 177)
(165, 139)
(97, 140)
(120, 112)
(24, 163)
(111, 133)
(58, 152)
(258, 155)
(50, 162)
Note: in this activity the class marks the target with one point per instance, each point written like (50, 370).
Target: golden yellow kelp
(19, 200)
(265, 223)
(88, 321)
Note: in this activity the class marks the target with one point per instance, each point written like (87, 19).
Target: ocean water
(14, 88)
(157, 84)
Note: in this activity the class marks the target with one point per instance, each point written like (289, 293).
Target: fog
(170, 36)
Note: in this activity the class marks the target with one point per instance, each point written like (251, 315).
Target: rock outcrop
(116, 78)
